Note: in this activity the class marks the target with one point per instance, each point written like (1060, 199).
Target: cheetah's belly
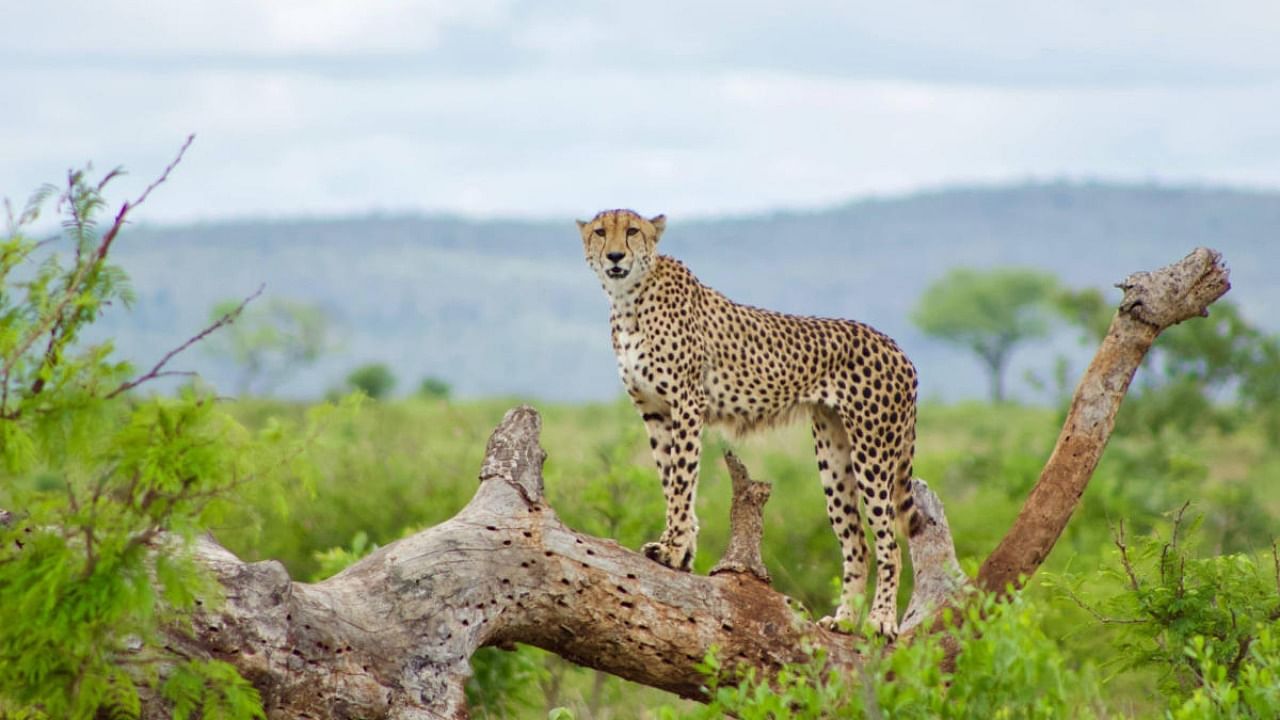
(741, 406)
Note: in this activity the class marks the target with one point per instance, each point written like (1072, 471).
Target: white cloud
(258, 27)
(555, 109)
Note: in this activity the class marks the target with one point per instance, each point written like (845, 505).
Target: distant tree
(435, 388)
(988, 312)
(374, 380)
(268, 343)
(1086, 309)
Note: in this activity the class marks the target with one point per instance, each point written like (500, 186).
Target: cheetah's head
(621, 245)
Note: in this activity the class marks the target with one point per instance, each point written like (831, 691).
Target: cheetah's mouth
(616, 272)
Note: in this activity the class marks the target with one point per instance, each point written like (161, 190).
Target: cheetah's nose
(615, 256)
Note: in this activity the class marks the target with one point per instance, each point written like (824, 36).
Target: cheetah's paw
(835, 624)
(846, 624)
(672, 557)
(886, 626)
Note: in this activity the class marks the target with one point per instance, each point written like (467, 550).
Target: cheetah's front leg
(683, 448)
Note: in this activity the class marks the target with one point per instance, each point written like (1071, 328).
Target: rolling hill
(508, 307)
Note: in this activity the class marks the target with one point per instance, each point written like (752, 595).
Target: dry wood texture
(391, 636)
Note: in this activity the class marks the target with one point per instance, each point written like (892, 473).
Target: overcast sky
(554, 108)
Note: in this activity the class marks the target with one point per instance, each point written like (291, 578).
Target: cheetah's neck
(624, 295)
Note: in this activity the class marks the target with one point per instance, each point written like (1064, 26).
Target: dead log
(1152, 302)
(391, 636)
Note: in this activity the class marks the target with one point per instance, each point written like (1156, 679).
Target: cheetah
(688, 357)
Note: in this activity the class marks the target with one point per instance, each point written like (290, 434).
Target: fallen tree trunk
(392, 635)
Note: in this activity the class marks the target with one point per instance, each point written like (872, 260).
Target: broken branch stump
(746, 523)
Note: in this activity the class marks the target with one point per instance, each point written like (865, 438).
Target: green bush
(1006, 667)
(1246, 685)
(1204, 625)
(98, 478)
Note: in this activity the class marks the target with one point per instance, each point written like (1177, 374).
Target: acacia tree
(989, 312)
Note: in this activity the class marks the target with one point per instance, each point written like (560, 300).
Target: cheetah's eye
(632, 231)
(600, 232)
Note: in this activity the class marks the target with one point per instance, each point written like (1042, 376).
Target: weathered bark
(392, 635)
(746, 523)
(1152, 302)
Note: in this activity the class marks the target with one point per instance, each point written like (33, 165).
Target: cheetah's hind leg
(833, 450)
(876, 464)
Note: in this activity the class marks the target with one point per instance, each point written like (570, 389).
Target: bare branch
(1177, 523)
(1275, 557)
(1152, 302)
(1242, 651)
(155, 372)
(54, 320)
(114, 230)
(1124, 557)
(1071, 594)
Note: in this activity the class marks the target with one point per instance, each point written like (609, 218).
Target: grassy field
(392, 468)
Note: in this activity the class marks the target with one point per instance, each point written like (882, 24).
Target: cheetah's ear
(582, 225)
(659, 223)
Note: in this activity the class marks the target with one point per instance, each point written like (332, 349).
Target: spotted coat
(688, 357)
